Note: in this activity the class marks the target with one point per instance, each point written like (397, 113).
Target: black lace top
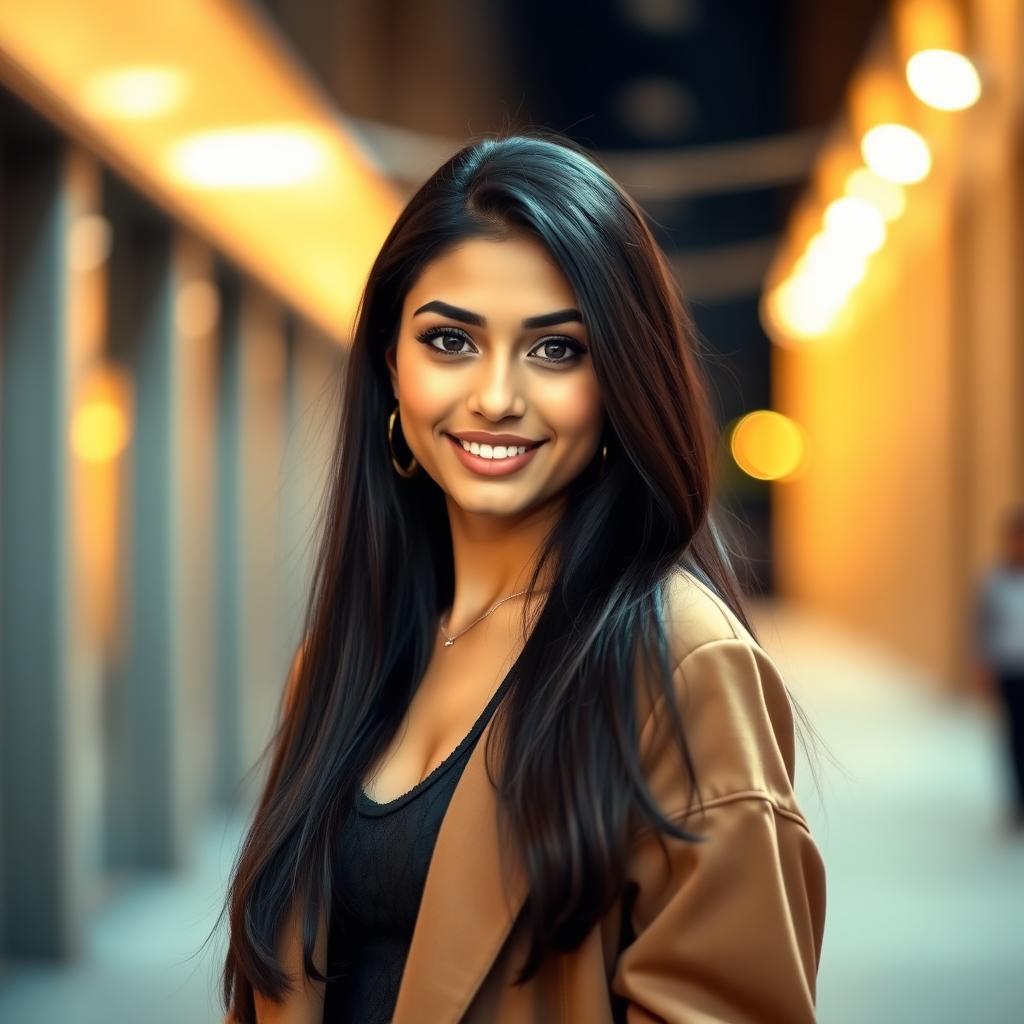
(381, 864)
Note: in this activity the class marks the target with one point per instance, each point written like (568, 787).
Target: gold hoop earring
(409, 470)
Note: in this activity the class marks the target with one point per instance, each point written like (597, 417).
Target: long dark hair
(384, 572)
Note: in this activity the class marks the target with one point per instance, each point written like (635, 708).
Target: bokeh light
(263, 157)
(896, 153)
(101, 424)
(943, 79)
(856, 223)
(767, 445)
(135, 93)
(888, 197)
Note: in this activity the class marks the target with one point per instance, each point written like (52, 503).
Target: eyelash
(438, 332)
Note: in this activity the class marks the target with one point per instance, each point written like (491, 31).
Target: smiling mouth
(494, 451)
(506, 460)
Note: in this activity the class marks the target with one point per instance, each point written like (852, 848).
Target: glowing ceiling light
(767, 445)
(135, 93)
(943, 79)
(265, 157)
(897, 153)
(886, 196)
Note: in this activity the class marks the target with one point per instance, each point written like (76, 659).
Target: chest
(454, 692)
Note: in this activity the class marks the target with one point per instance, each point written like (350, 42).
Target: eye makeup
(575, 351)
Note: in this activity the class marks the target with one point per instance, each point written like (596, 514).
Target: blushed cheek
(426, 396)
(575, 410)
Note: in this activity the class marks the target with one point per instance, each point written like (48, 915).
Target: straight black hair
(567, 728)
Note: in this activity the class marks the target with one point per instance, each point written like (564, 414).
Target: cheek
(573, 408)
(424, 392)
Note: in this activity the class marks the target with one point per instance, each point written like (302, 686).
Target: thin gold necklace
(449, 640)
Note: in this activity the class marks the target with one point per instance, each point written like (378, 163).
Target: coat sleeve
(729, 929)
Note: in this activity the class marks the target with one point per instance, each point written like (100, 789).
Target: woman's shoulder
(733, 698)
(695, 615)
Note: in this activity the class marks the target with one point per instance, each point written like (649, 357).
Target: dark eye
(560, 350)
(446, 334)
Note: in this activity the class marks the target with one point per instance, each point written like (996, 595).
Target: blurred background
(191, 194)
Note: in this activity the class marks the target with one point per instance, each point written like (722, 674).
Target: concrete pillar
(197, 306)
(315, 365)
(161, 730)
(253, 652)
(50, 657)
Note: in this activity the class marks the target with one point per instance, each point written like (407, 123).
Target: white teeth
(487, 451)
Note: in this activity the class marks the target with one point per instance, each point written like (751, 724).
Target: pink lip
(491, 467)
(482, 437)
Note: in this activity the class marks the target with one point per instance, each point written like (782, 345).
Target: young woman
(533, 765)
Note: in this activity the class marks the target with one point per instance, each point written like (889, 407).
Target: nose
(496, 391)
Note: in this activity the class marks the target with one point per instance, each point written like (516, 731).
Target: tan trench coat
(729, 930)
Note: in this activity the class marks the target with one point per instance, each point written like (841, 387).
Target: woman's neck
(494, 557)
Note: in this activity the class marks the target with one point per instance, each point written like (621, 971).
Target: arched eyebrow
(559, 316)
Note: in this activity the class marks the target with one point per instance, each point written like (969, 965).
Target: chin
(494, 505)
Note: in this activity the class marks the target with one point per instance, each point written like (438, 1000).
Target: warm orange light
(99, 432)
(897, 153)
(767, 445)
(888, 197)
(100, 427)
(802, 308)
(268, 156)
(943, 79)
(135, 93)
(205, 111)
(856, 223)
(830, 257)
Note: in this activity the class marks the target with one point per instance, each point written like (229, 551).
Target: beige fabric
(729, 930)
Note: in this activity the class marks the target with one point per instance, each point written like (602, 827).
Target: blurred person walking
(999, 642)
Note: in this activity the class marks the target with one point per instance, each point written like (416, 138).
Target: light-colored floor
(925, 918)
(144, 961)
(926, 894)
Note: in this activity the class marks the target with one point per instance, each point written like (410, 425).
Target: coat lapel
(467, 910)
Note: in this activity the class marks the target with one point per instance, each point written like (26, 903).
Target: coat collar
(467, 909)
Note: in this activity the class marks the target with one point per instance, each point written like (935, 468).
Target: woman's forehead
(503, 274)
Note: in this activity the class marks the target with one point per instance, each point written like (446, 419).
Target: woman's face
(491, 343)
